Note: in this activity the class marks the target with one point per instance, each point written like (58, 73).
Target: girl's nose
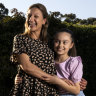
(60, 44)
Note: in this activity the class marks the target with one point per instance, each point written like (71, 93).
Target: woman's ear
(44, 21)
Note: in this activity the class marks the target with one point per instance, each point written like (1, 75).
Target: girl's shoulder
(76, 58)
(75, 61)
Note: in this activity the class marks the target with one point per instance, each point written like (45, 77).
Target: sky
(83, 9)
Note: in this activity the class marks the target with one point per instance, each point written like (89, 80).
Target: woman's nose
(31, 18)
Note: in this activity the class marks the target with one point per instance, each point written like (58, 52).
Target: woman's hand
(83, 84)
(53, 79)
(18, 79)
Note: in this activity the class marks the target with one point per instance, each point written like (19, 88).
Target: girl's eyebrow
(65, 40)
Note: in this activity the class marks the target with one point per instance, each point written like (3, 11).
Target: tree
(94, 23)
(70, 16)
(84, 21)
(91, 20)
(3, 10)
(56, 15)
(15, 13)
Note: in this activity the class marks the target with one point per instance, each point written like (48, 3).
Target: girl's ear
(71, 45)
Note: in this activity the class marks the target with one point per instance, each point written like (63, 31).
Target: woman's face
(35, 20)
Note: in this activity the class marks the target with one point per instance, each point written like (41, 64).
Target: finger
(69, 83)
(83, 84)
(18, 82)
(82, 88)
(83, 80)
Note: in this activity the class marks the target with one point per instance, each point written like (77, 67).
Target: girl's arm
(83, 83)
(30, 68)
(75, 89)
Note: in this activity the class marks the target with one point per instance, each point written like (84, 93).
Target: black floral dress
(41, 56)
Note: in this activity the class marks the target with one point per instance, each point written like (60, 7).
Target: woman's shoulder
(20, 36)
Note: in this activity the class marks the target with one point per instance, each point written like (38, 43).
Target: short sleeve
(76, 69)
(18, 47)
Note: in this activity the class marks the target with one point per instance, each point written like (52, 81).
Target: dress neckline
(63, 61)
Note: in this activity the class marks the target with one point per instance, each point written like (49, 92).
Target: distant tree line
(69, 18)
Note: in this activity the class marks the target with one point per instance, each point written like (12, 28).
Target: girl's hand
(83, 84)
(69, 82)
(18, 79)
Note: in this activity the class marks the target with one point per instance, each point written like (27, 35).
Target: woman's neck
(61, 58)
(35, 35)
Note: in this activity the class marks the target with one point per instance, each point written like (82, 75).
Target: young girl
(67, 64)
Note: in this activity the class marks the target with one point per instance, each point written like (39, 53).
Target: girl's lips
(60, 49)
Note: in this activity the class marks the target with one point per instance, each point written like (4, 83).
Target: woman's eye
(36, 16)
(29, 15)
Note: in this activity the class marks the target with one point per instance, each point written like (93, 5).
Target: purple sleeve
(76, 69)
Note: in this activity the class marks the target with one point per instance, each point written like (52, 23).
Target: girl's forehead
(63, 34)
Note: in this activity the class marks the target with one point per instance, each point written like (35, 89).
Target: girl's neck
(61, 58)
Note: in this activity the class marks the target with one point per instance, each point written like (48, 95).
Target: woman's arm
(83, 84)
(75, 89)
(30, 68)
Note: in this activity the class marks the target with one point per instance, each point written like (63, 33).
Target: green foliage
(9, 27)
(3, 10)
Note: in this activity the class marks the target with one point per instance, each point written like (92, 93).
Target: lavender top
(70, 69)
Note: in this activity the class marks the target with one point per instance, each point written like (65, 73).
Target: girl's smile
(62, 43)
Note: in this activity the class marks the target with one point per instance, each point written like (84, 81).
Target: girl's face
(62, 43)
(35, 20)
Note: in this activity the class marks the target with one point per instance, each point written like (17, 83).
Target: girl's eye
(65, 42)
(56, 41)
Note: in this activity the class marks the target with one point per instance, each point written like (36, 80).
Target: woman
(31, 53)
(34, 58)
